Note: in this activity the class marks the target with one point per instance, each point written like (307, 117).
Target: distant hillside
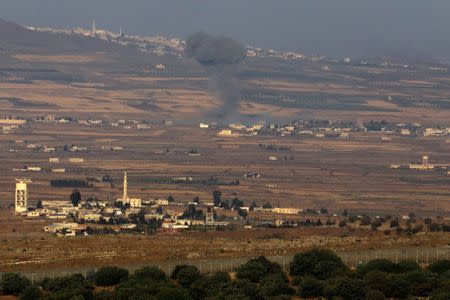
(14, 37)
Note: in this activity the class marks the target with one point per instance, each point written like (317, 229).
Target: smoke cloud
(220, 56)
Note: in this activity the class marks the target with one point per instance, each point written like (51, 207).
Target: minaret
(125, 187)
(93, 26)
(120, 31)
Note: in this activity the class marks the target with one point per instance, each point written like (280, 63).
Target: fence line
(423, 256)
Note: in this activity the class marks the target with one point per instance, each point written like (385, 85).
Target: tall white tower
(94, 30)
(21, 196)
(125, 187)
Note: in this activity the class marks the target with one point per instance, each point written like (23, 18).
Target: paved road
(351, 258)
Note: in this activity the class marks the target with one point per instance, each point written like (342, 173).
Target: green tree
(384, 265)
(185, 275)
(311, 287)
(242, 213)
(217, 198)
(75, 197)
(172, 293)
(321, 263)
(253, 205)
(39, 204)
(440, 266)
(108, 276)
(150, 272)
(374, 295)
(256, 269)
(398, 287)
(275, 284)
(351, 288)
(67, 287)
(170, 198)
(408, 266)
(267, 205)
(13, 284)
(377, 280)
(32, 292)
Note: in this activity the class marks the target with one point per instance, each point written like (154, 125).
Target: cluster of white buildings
(101, 212)
(9, 126)
(424, 165)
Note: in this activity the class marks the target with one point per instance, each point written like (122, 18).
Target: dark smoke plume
(220, 56)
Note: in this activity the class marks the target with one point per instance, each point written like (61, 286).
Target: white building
(76, 160)
(21, 199)
(286, 210)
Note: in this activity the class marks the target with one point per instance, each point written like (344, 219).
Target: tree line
(317, 273)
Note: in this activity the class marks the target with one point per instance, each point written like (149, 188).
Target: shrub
(276, 284)
(378, 264)
(311, 287)
(104, 295)
(186, 275)
(245, 289)
(398, 287)
(172, 293)
(440, 266)
(256, 269)
(108, 276)
(13, 284)
(68, 286)
(374, 295)
(323, 264)
(151, 272)
(350, 288)
(408, 266)
(377, 280)
(32, 292)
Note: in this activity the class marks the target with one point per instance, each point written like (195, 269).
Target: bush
(350, 288)
(398, 287)
(68, 286)
(32, 292)
(210, 285)
(276, 284)
(377, 280)
(311, 287)
(172, 293)
(245, 289)
(13, 284)
(256, 269)
(440, 266)
(151, 272)
(104, 295)
(374, 295)
(383, 265)
(440, 296)
(108, 276)
(323, 264)
(186, 275)
(408, 266)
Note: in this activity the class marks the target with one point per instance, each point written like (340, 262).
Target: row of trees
(312, 274)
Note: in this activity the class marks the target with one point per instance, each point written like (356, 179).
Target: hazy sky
(331, 27)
